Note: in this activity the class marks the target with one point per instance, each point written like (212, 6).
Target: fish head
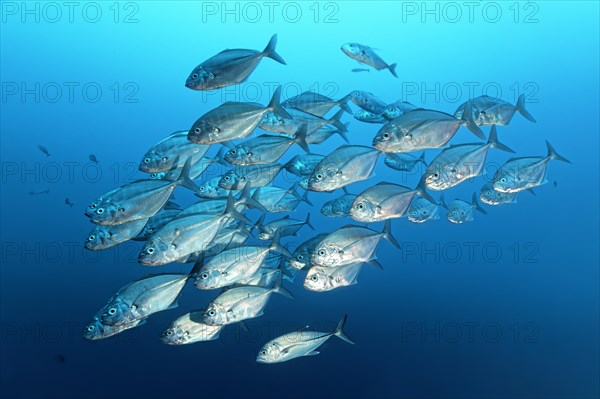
(116, 312)
(359, 98)
(153, 162)
(270, 353)
(239, 156)
(325, 177)
(98, 238)
(204, 132)
(316, 280)
(209, 279)
(504, 182)
(106, 211)
(214, 315)
(198, 79)
(230, 180)
(156, 252)
(457, 214)
(392, 111)
(174, 335)
(94, 329)
(364, 210)
(488, 195)
(390, 136)
(351, 49)
(437, 177)
(327, 254)
(327, 209)
(91, 208)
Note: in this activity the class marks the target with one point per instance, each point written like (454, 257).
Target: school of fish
(245, 261)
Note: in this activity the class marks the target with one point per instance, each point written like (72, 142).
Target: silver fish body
(488, 110)
(104, 237)
(338, 207)
(188, 329)
(321, 279)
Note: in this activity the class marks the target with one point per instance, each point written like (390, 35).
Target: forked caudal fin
(270, 52)
(300, 137)
(230, 210)
(392, 69)
(339, 331)
(421, 190)
(494, 143)
(335, 121)
(387, 233)
(553, 155)
(275, 105)
(521, 108)
(277, 247)
(470, 122)
(279, 289)
(184, 178)
(307, 222)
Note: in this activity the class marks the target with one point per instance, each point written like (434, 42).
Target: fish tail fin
(279, 289)
(275, 104)
(259, 223)
(343, 103)
(521, 108)
(197, 266)
(219, 156)
(339, 331)
(422, 191)
(277, 247)
(172, 205)
(304, 198)
(184, 178)
(300, 138)
(531, 191)
(470, 122)
(342, 133)
(392, 69)
(442, 202)
(475, 203)
(422, 159)
(270, 52)
(375, 264)
(307, 222)
(387, 233)
(552, 154)
(232, 212)
(335, 121)
(247, 199)
(494, 143)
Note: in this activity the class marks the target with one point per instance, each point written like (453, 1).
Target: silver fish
(138, 200)
(253, 176)
(304, 164)
(369, 117)
(489, 196)
(322, 279)
(519, 174)
(488, 110)
(240, 303)
(185, 235)
(461, 162)
(368, 101)
(366, 55)
(322, 134)
(297, 344)
(344, 166)
(104, 237)
(265, 149)
(171, 152)
(218, 206)
(212, 190)
(403, 162)
(156, 222)
(95, 330)
(397, 109)
(421, 210)
(301, 257)
(233, 120)
(315, 103)
(338, 207)
(420, 129)
(197, 169)
(276, 123)
(351, 244)
(188, 329)
(274, 199)
(285, 226)
(142, 298)
(233, 265)
(460, 211)
(230, 67)
(384, 201)
(230, 236)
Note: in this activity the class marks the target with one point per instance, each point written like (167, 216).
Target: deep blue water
(516, 316)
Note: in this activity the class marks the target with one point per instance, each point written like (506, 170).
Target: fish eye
(164, 159)
(319, 176)
(217, 130)
(249, 154)
(435, 174)
(211, 312)
(100, 211)
(153, 174)
(314, 277)
(93, 206)
(204, 276)
(202, 188)
(195, 76)
(121, 209)
(197, 130)
(90, 328)
(488, 193)
(321, 252)
(386, 135)
(503, 180)
(300, 257)
(227, 177)
(91, 238)
(169, 332)
(150, 250)
(112, 311)
(360, 206)
(233, 151)
(263, 352)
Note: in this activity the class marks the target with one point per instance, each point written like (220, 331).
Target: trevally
(366, 55)
(488, 110)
